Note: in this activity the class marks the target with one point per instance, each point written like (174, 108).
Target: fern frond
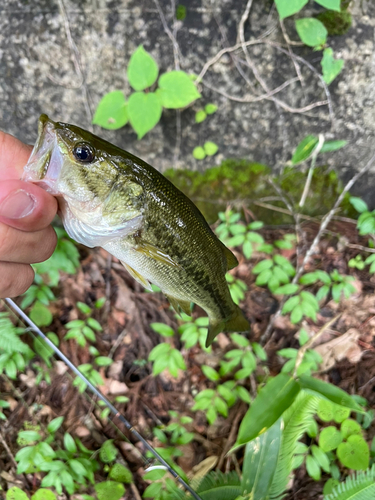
(9, 337)
(296, 421)
(217, 486)
(360, 486)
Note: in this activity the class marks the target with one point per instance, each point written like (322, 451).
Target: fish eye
(84, 152)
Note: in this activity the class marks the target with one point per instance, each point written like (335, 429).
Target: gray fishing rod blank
(94, 390)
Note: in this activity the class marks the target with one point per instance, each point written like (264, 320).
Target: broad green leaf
(210, 148)
(262, 266)
(111, 112)
(311, 31)
(354, 454)
(69, 443)
(329, 391)
(330, 438)
(43, 494)
(109, 490)
(331, 67)
(210, 373)
(199, 153)
(321, 458)
(332, 146)
(325, 410)
(162, 329)
(304, 149)
(15, 493)
(330, 4)
(350, 428)
(108, 451)
(210, 108)
(287, 8)
(313, 468)
(271, 402)
(121, 474)
(200, 116)
(142, 69)
(261, 457)
(40, 314)
(176, 90)
(144, 112)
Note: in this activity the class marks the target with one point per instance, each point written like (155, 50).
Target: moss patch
(336, 23)
(241, 183)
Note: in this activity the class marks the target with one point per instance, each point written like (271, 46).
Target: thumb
(26, 206)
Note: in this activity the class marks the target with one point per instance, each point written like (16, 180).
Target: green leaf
(142, 69)
(325, 410)
(199, 153)
(43, 494)
(313, 468)
(330, 438)
(176, 90)
(69, 443)
(359, 205)
(29, 436)
(354, 454)
(331, 67)
(330, 4)
(288, 289)
(121, 474)
(271, 402)
(304, 149)
(108, 451)
(321, 458)
(40, 314)
(111, 112)
(210, 148)
(340, 413)
(262, 266)
(210, 373)
(350, 428)
(15, 493)
(260, 462)
(332, 146)
(144, 112)
(109, 490)
(200, 116)
(287, 8)
(55, 424)
(210, 108)
(329, 391)
(162, 329)
(311, 31)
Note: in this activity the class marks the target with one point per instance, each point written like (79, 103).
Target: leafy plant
(144, 107)
(80, 330)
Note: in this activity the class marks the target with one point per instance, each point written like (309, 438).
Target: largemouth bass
(110, 198)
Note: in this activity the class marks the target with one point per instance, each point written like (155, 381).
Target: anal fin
(138, 277)
(179, 304)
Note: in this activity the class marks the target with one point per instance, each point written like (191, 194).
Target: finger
(26, 206)
(25, 247)
(15, 279)
(13, 156)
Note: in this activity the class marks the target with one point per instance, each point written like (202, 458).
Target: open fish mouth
(45, 162)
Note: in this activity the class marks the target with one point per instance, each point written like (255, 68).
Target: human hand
(26, 212)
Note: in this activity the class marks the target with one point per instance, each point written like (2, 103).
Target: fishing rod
(95, 391)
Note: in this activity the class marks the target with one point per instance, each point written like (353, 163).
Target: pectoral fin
(155, 253)
(138, 277)
(179, 304)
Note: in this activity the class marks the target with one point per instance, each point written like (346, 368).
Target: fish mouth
(45, 162)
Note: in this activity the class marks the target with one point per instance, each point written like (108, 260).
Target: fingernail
(17, 205)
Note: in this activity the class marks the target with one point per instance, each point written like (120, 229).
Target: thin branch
(176, 48)
(326, 220)
(77, 62)
(315, 153)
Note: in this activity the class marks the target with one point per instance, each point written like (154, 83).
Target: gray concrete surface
(41, 71)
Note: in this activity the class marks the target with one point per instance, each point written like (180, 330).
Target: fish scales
(113, 199)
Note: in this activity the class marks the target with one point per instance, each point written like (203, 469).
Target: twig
(303, 349)
(7, 449)
(135, 491)
(176, 48)
(231, 437)
(326, 220)
(311, 170)
(77, 63)
(119, 340)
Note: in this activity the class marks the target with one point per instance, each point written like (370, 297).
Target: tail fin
(235, 323)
